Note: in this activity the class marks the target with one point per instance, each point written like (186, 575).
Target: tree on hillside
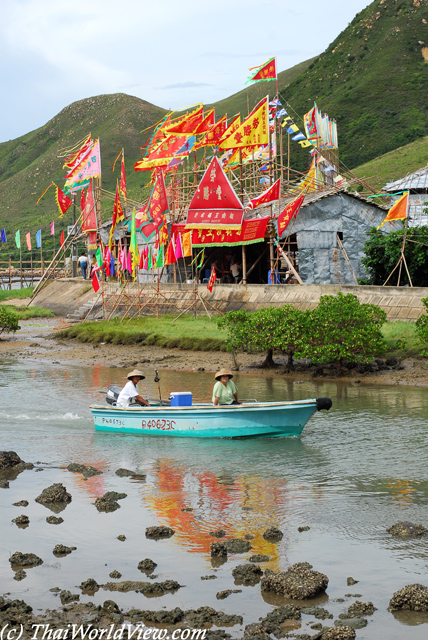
(382, 253)
(344, 329)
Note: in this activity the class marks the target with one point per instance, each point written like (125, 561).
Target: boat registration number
(165, 425)
(119, 423)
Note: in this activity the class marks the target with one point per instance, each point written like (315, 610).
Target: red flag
(271, 194)
(158, 203)
(170, 254)
(117, 208)
(212, 279)
(212, 137)
(188, 125)
(289, 212)
(95, 282)
(266, 71)
(82, 200)
(63, 201)
(123, 176)
(89, 221)
(207, 123)
(62, 238)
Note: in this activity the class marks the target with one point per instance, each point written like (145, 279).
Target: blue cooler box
(181, 399)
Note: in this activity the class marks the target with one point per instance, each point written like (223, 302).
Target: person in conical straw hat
(225, 390)
(130, 390)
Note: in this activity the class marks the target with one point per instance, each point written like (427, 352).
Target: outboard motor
(324, 403)
(112, 395)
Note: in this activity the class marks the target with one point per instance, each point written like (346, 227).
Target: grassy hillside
(395, 164)
(29, 163)
(373, 79)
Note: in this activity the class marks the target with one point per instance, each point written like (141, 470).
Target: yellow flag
(187, 244)
(253, 132)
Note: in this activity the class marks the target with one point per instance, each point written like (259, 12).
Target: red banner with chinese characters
(215, 204)
(289, 212)
(89, 220)
(252, 231)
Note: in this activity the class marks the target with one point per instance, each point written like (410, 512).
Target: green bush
(422, 329)
(270, 328)
(8, 321)
(342, 328)
(382, 253)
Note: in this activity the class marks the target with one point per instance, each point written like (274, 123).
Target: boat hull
(268, 419)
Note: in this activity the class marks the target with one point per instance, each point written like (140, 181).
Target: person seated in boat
(130, 390)
(225, 390)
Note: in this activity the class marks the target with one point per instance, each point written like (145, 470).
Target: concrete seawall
(67, 295)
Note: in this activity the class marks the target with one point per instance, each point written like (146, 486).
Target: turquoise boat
(203, 420)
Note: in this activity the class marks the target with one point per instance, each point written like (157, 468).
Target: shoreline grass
(25, 313)
(16, 294)
(202, 334)
(187, 333)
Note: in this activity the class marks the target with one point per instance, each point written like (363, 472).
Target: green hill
(395, 164)
(29, 163)
(373, 79)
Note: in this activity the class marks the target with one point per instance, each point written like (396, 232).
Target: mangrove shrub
(8, 321)
(422, 329)
(342, 328)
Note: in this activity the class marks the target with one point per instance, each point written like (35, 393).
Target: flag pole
(20, 262)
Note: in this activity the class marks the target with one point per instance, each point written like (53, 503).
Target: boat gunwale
(205, 407)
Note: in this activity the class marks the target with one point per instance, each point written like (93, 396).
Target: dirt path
(36, 342)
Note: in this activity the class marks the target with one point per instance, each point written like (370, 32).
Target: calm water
(354, 472)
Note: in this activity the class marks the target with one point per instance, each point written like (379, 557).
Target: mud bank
(36, 342)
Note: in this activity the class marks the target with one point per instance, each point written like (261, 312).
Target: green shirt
(224, 393)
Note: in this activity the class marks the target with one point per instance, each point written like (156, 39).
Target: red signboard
(252, 231)
(215, 204)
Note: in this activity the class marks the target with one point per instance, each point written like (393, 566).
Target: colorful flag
(207, 123)
(89, 220)
(398, 210)
(170, 254)
(3, 235)
(160, 259)
(52, 228)
(188, 126)
(63, 201)
(213, 136)
(253, 132)
(99, 257)
(213, 278)
(158, 203)
(18, 239)
(187, 244)
(271, 194)
(234, 125)
(28, 239)
(149, 259)
(285, 216)
(162, 155)
(133, 247)
(61, 240)
(123, 176)
(95, 281)
(266, 71)
(76, 153)
(39, 238)
(89, 167)
(178, 248)
(298, 136)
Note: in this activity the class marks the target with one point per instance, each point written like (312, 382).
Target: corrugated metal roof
(416, 180)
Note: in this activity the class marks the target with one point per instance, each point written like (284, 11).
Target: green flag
(149, 259)
(160, 258)
(18, 239)
(99, 257)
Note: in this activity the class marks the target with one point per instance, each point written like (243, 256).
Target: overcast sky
(172, 53)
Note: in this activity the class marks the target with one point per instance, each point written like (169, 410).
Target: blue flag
(3, 235)
(39, 238)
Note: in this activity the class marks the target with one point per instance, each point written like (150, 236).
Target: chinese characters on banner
(215, 204)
